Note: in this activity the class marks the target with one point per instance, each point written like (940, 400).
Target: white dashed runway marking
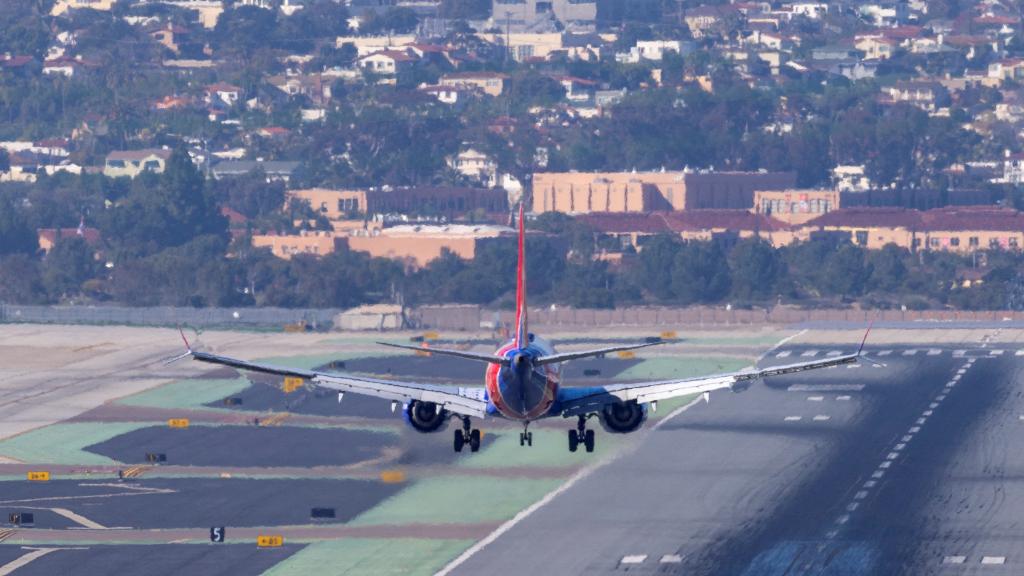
(825, 388)
(842, 398)
(815, 398)
(934, 352)
(885, 353)
(793, 418)
(783, 354)
(822, 418)
(995, 352)
(954, 559)
(634, 559)
(993, 560)
(671, 559)
(810, 354)
(834, 353)
(910, 352)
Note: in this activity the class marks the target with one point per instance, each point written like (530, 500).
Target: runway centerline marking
(878, 473)
(793, 418)
(885, 353)
(815, 398)
(671, 559)
(634, 559)
(783, 354)
(910, 352)
(993, 560)
(822, 418)
(842, 398)
(834, 353)
(810, 354)
(954, 559)
(934, 352)
(861, 495)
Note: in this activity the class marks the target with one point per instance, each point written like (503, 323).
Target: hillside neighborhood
(325, 153)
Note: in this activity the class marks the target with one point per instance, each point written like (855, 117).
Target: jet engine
(425, 416)
(623, 417)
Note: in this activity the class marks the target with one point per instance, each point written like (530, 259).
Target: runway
(847, 471)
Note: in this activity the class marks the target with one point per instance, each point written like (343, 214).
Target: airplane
(522, 383)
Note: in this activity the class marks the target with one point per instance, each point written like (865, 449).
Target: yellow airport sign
(392, 476)
(178, 422)
(291, 384)
(431, 335)
(274, 541)
(40, 476)
(669, 335)
(627, 354)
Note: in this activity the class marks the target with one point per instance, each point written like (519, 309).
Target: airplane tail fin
(522, 336)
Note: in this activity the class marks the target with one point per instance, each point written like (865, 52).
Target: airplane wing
(464, 401)
(575, 401)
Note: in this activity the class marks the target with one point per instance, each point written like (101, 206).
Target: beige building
(131, 163)
(795, 206)
(530, 13)
(62, 6)
(583, 192)
(418, 245)
(492, 83)
(312, 242)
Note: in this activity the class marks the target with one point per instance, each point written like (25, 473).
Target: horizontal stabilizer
(489, 358)
(556, 358)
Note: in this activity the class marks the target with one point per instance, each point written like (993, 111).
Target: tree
(700, 273)
(756, 269)
(656, 261)
(846, 272)
(16, 237)
(20, 280)
(888, 271)
(5, 161)
(67, 266)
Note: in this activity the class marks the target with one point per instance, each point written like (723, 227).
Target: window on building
(1013, 242)
(933, 242)
(993, 243)
(972, 241)
(862, 237)
(954, 241)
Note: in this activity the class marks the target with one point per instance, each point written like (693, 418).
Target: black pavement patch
(158, 560)
(246, 446)
(204, 502)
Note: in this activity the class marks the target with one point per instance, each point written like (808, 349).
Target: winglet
(188, 349)
(184, 339)
(865, 339)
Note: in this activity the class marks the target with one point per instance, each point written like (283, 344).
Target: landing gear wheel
(588, 440)
(574, 441)
(460, 440)
(529, 438)
(522, 438)
(474, 441)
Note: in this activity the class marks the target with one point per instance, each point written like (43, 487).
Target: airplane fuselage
(522, 391)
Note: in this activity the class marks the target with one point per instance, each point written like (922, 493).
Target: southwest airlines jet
(522, 384)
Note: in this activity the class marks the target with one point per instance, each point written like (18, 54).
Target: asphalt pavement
(908, 468)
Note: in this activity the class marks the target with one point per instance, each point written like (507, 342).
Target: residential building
(274, 170)
(850, 178)
(62, 6)
(476, 165)
(366, 45)
(584, 192)
(451, 202)
(928, 96)
(525, 46)
(222, 92)
(653, 50)
(132, 163)
(726, 226)
(491, 83)
(387, 62)
(49, 237)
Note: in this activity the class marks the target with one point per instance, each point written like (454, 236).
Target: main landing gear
(526, 437)
(581, 436)
(467, 435)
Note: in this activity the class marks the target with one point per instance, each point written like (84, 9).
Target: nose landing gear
(467, 435)
(581, 436)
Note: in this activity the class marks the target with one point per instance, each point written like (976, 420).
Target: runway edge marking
(573, 480)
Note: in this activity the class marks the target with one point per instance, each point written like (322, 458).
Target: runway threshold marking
(1019, 353)
(783, 354)
(934, 351)
(634, 559)
(24, 560)
(810, 354)
(825, 388)
(671, 559)
(954, 559)
(885, 353)
(822, 418)
(910, 352)
(993, 560)
(832, 353)
(793, 418)
(815, 398)
(996, 352)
